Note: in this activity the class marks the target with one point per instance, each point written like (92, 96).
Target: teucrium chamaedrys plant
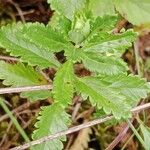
(84, 38)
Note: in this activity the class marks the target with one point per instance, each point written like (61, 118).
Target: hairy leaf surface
(117, 96)
(46, 37)
(52, 119)
(130, 86)
(19, 75)
(63, 84)
(13, 39)
(101, 24)
(105, 42)
(102, 64)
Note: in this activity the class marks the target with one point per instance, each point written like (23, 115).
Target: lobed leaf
(130, 86)
(102, 64)
(52, 119)
(105, 42)
(115, 97)
(63, 84)
(19, 75)
(46, 37)
(101, 24)
(12, 38)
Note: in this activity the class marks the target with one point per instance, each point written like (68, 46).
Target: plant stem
(25, 89)
(14, 120)
(76, 128)
(137, 134)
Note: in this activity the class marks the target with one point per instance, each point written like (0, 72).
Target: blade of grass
(137, 134)
(14, 120)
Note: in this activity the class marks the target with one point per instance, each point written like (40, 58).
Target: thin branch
(18, 9)
(25, 89)
(118, 138)
(76, 128)
(8, 58)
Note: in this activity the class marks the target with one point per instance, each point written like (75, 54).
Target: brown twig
(8, 58)
(76, 128)
(18, 9)
(118, 138)
(22, 107)
(25, 89)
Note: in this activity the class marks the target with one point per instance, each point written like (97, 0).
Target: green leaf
(19, 75)
(61, 24)
(45, 37)
(101, 24)
(146, 133)
(113, 96)
(102, 64)
(104, 42)
(135, 11)
(52, 119)
(80, 28)
(63, 84)
(131, 86)
(102, 7)
(73, 6)
(12, 38)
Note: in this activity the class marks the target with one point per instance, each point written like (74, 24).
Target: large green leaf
(52, 119)
(12, 38)
(102, 64)
(117, 96)
(67, 7)
(19, 75)
(63, 84)
(104, 42)
(135, 11)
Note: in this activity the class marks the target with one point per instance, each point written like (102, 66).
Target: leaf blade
(63, 84)
(19, 75)
(52, 119)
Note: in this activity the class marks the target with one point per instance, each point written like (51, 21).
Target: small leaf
(61, 24)
(73, 6)
(146, 133)
(63, 84)
(108, 65)
(19, 75)
(101, 24)
(135, 11)
(80, 28)
(52, 119)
